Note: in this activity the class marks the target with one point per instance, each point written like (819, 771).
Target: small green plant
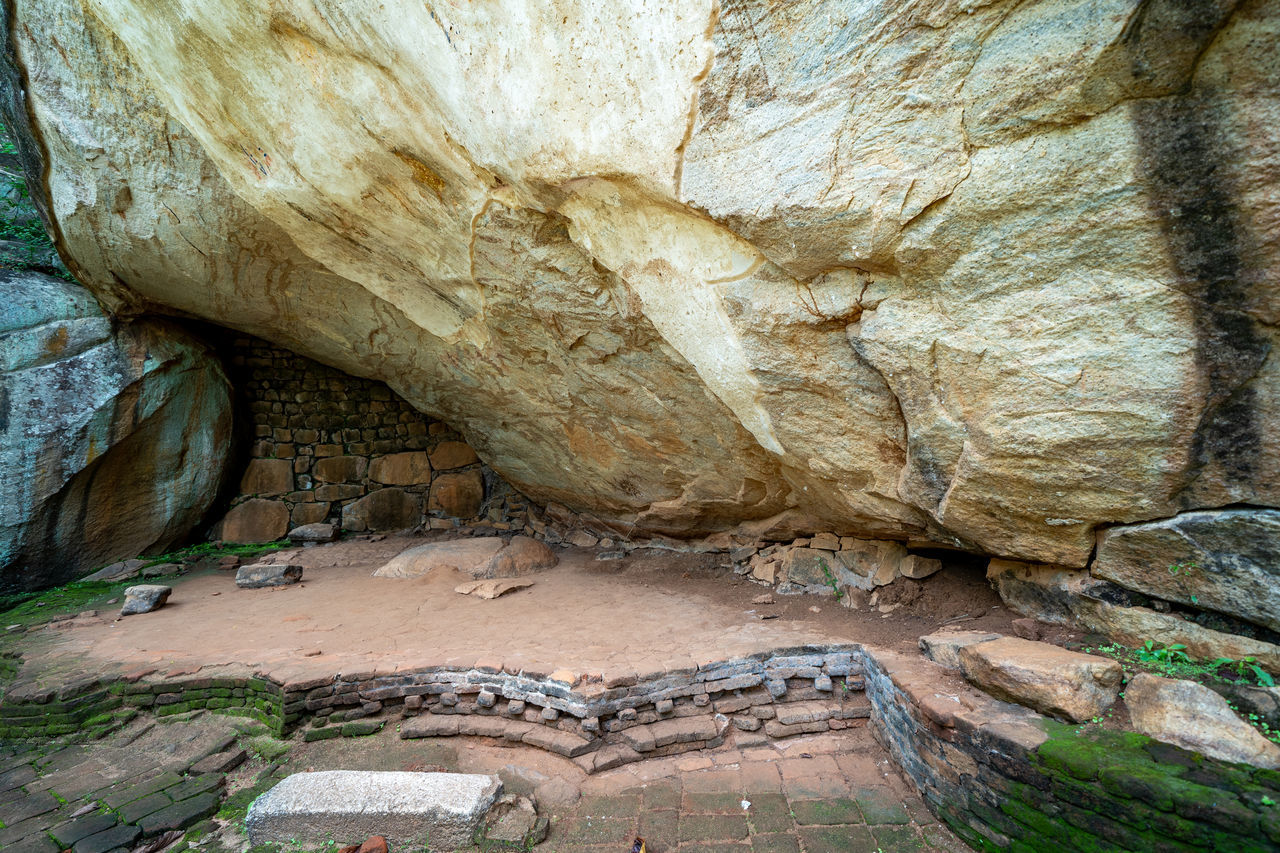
(1182, 569)
(830, 578)
(1152, 653)
(1244, 668)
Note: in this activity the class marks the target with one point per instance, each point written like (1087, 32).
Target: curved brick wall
(1001, 776)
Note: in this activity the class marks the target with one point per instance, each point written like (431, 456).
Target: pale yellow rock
(491, 589)
(465, 555)
(917, 567)
(984, 276)
(409, 468)
(267, 477)
(340, 469)
(1045, 677)
(1194, 717)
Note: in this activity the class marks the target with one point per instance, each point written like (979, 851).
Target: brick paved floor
(814, 794)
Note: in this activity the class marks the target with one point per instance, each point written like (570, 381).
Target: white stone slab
(412, 810)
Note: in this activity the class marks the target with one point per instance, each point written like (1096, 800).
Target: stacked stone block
(332, 447)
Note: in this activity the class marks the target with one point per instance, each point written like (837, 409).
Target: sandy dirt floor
(650, 611)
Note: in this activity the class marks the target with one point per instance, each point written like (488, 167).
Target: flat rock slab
(261, 575)
(490, 589)
(1044, 677)
(943, 648)
(412, 810)
(483, 557)
(317, 532)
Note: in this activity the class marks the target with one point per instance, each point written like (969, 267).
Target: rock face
(113, 438)
(1044, 677)
(1192, 716)
(987, 276)
(1227, 560)
(1069, 597)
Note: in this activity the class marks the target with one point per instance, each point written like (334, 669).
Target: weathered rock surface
(521, 556)
(1047, 678)
(483, 557)
(318, 532)
(493, 588)
(144, 598)
(1070, 597)
(267, 477)
(1193, 717)
(400, 469)
(465, 555)
(409, 810)
(459, 494)
(254, 520)
(385, 509)
(1225, 560)
(989, 276)
(259, 575)
(113, 438)
(513, 820)
(943, 648)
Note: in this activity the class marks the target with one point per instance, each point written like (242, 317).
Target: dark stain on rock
(1190, 192)
(57, 342)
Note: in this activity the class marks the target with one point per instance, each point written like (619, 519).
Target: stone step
(411, 810)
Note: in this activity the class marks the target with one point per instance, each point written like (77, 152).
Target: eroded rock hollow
(990, 275)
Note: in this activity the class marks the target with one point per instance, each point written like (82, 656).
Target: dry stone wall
(327, 446)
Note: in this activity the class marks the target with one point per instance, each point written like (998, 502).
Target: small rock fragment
(1027, 629)
(261, 575)
(144, 598)
(375, 844)
(491, 589)
(514, 821)
(318, 532)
